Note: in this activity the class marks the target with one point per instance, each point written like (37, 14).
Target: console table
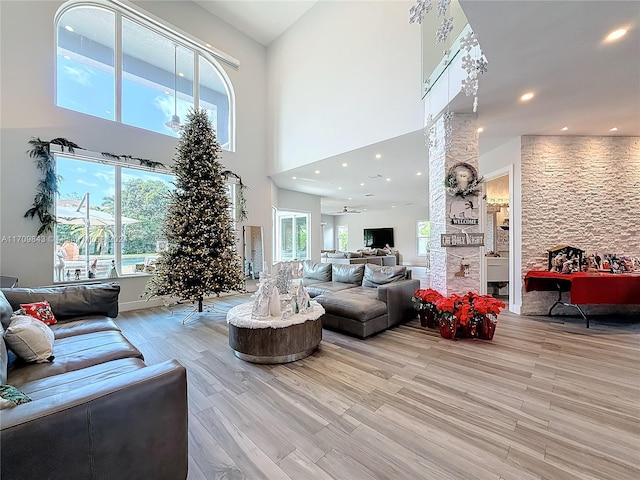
(586, 288)
(274, 340)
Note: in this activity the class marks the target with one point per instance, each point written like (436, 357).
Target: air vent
(368, 195)
(375, 176)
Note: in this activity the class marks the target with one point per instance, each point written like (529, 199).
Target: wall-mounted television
(378, 237)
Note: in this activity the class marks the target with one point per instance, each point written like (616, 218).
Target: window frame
(345, 228)
(419, 237)
(200, 49)
(277, 233)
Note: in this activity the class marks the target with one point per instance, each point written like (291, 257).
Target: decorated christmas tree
(201, 258)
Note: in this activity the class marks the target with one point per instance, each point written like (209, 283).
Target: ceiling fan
(346, 210)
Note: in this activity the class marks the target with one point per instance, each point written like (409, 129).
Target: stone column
(450, 214)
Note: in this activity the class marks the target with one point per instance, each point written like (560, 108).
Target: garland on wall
(43, 202)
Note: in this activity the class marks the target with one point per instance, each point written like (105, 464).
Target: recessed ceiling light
(350, 198)
(208, 45)
(362, 184)
(614, 129)
(419, 173)
(564, 129)
(388, 179)
(393, 206)
(68, 28)
(180, 74)
(527, 96)
(317, 171)
(345, 164)
(378, 155)
(616, 35)
(294, 178)
(480, 129)
(339, 188)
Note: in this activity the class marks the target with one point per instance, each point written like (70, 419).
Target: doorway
(497, 235)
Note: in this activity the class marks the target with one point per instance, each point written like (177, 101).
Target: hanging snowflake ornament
(480, 65)
(470, 86)
(469, 41)
(475, 104)
(417, 11)
(443, 5)
(445, 27)
(433, 141)
(467, 63)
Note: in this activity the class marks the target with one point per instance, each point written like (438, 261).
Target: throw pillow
(40, 310)
(11, 396)
(30, 339)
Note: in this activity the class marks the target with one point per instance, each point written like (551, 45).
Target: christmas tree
(201, 258)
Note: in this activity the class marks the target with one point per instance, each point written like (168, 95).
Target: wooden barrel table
(274, 340)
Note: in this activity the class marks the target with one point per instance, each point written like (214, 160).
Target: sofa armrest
(130, 426)
(397, 296)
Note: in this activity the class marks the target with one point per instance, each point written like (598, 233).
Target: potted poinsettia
(424, 302)
(446, 315)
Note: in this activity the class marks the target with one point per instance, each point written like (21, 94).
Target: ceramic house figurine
(303, 300)
(267, 302)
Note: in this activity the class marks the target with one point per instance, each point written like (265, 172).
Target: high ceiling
(555, 49)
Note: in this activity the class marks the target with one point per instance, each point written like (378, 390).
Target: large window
(423, 233)
(108, 215)
(343, 238)
(292, 236)
(122, 67)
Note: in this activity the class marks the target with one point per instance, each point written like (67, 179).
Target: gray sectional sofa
(96, 410)
(361, 299)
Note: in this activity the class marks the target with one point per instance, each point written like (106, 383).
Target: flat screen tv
(378, 237)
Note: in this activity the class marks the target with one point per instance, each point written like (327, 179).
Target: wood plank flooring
(546, 399)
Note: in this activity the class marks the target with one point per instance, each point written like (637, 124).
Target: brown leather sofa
(363, 299)
(97, 411)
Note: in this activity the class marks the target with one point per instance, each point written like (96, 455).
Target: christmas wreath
(462, 181)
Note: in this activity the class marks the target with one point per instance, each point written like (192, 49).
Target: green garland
(43, 203)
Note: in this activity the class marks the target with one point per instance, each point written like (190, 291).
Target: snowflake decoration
(443, 31)
(417, 12)
(469, 41)
(467, 63)
(475, 104)
(480, 65)
(470, 86)
(442, 7)
(433, 141)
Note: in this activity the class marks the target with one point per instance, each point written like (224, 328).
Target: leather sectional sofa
(361, 299)
(96, 410)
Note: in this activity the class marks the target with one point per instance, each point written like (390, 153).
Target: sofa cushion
(376, 275)
(70, 381)
(347, 273)
(328, 287)
(30, 339)
(71, 300)
(6, 311)
(316, 271)
(359, 303)
(75, 353)
(84, 325)
(39, 310)
(337, 255)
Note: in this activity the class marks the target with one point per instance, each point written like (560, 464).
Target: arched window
(122, 66)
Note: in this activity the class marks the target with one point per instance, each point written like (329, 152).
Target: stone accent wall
(446, 262)
(578, 191)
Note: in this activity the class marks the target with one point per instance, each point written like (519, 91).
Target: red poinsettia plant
(469, 315)
(425, 299)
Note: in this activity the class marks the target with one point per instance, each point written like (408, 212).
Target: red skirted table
(586, 287)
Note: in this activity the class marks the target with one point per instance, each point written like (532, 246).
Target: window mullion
(118, 67)
(117, 213)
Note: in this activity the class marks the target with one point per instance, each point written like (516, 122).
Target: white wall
(28, 110)
(346, 75)
(402, 219)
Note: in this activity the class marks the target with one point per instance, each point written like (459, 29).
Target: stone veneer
(578, 191)
(445, 262)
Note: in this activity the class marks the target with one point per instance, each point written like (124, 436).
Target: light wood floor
(546, 399)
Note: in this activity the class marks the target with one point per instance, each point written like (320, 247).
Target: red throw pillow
(40, 310)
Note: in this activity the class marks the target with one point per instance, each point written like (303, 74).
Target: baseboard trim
(140, 304)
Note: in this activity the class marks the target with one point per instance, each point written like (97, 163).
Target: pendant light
(174, 123)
